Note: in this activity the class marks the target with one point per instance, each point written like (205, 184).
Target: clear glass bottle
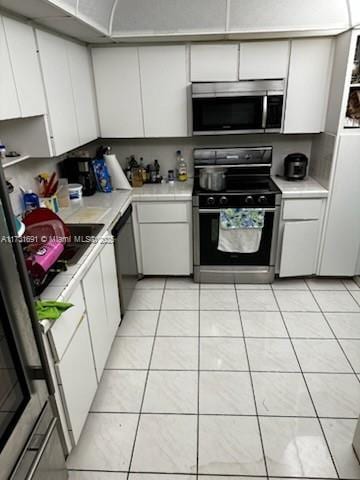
(181, 167)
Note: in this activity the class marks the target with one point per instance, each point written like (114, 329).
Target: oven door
(209, 254)
(229, 114)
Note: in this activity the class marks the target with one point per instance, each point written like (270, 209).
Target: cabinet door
(77, 377)
(84, 98)
(100, 328)
(111, 289)
(9, 103)
(59, 92)
(117, 80)
(300, 247)
(25, 63)
(263, 60)
(164, 94)
(61, 332)
(308, 85)
(165, 248)
(214, 63)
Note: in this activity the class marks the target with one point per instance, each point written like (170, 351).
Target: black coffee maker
(80, 170)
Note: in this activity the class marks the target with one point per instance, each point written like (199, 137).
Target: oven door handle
(217, 210)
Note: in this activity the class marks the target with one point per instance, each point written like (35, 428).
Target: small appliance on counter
(295, 166)
(80, 170)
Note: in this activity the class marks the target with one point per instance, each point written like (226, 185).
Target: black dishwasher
(125, 254)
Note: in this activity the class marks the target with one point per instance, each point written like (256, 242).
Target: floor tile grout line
(336, 338)
(309, 392)
(254, 397)
(180, 414)
(230, 476)
(291, 372)
(352, 296)
(276, 337)
(145, 385)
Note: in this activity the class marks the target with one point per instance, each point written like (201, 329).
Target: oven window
(230, 113)
(14, 393)
(209, 237)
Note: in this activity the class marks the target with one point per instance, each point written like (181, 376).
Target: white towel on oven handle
(240, 240)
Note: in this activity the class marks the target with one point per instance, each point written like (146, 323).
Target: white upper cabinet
(59, 92)
(214, 62)
(264, 60)
(308, 85)
(164, 90)
(24, 60)
(9, 103)
(81, 78)
(117, 80)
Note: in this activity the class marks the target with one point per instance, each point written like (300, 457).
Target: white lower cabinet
(165, 248)
(111, 289)
(79, 343)
(77, 378)
(98, 322)
(102, 305)
(300, 248)
(299, 237)
(163, 232)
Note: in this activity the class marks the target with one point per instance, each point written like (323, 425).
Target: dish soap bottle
(31, 201)
(181, 167)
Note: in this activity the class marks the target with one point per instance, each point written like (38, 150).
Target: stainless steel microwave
(254, 106)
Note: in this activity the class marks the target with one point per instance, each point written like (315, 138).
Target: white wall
(164, 149)
(322, 154)
(24, 174)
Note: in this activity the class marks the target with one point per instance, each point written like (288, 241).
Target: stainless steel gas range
(246, 189)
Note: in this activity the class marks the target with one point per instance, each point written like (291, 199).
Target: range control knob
(262, 200)
(249, 200)
(223, 200)
(210, 201)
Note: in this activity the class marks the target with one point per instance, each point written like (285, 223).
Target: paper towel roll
(118, 177)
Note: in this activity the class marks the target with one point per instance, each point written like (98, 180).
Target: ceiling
(99, 21)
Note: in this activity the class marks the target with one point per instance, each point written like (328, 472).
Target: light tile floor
(216, 382)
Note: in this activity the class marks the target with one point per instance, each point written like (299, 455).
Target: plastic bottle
(31, 201)
(181, 167)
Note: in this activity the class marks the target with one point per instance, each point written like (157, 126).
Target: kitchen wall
(24, 174)
(322, 153)
(164, 149)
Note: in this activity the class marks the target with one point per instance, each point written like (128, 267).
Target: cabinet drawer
(63, 329)
(158, 212)
(307, 209)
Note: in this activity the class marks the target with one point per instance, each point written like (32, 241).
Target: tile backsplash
(163, 149)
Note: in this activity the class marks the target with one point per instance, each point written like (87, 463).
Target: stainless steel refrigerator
(30, 438)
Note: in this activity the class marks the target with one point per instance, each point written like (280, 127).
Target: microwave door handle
(265, 109)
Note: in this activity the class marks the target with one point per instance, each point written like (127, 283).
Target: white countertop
(163, 192)
(105, 208)
(99, 208)
(307, 188)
